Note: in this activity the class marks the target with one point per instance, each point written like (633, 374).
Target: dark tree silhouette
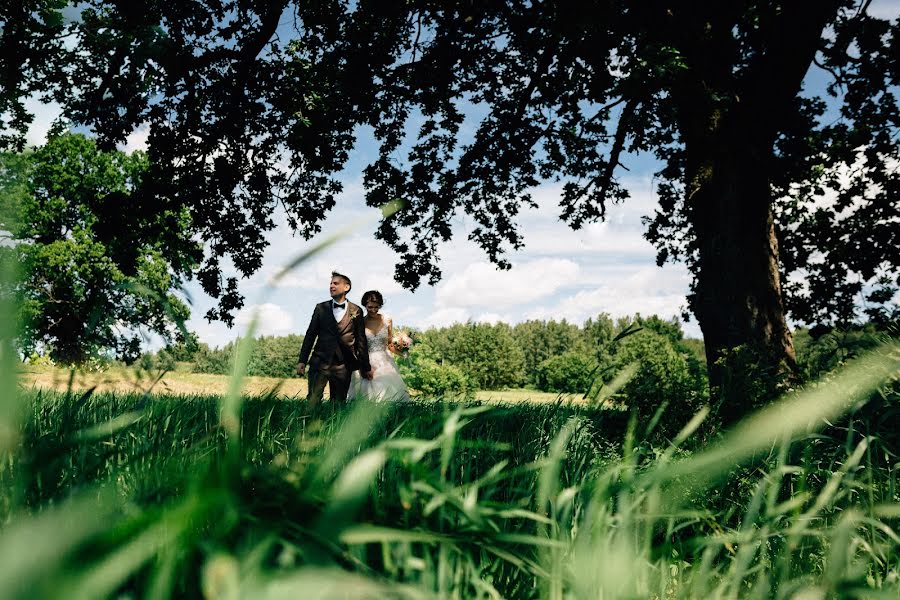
(761, 180)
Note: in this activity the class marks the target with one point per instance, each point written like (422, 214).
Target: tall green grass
(149, 496)
(156, 497)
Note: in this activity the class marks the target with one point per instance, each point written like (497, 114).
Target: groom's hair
(342, 276)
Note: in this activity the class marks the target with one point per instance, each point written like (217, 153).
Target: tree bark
(729, 121)
(737, 294)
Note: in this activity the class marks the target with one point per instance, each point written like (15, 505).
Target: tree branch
(616, 151)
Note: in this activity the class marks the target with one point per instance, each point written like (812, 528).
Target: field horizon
(182, 382)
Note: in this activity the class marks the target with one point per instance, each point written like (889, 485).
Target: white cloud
(137, 139)
(443, 317)
(272, 319)
(380, 279)
(316, 275)
(494, 318)
(215, 334)
(885, 9)
(595, 238)
(44, 115)
(620, 235)
(648, 290)
(312, 276)
(482, 285)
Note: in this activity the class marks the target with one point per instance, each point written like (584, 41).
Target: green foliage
(224, 104)
(217, 361)
(695, 348)
(99, 262)
(14, 170)
(431, 379)
(572, 371)
(670, 329)
(821, 355)
(571, 358)
(665, 376)
(113, 496)
(275, 356)
(487, 354)
(272, 356)
(558, 99)
(599, 333)
(540, 340)
(184, 350)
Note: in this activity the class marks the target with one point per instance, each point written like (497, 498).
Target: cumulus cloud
(272, 320)
(620, 235)
(482, 285)
(44, 115)
(443, 317)
(648, 290)
(137, 139)
(494, 318)
(595, 238)
(312, 276)
(560, 274)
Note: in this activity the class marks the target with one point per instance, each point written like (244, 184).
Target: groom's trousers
(336, 376)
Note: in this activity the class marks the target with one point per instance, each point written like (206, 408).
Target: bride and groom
(350, 351)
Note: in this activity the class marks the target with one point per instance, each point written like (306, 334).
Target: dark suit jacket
(346, 339)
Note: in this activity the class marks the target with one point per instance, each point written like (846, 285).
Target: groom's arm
(312, 332)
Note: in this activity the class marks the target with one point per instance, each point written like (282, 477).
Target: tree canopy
(782, 200)
(98, 264)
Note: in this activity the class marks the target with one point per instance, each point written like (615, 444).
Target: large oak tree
(782, 200)
(100, 264)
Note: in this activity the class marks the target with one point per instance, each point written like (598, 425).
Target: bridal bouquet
(402, 342)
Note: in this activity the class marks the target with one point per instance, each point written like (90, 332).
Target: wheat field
(181, 382)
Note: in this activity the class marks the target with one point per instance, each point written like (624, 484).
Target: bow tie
(336, 305)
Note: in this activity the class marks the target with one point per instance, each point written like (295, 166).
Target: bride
(386, 383)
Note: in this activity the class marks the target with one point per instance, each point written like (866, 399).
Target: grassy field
(128, 495)
(183, 382)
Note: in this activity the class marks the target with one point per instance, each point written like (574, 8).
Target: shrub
(272, 356)
(435, 380)
(817, 356)
(571, 372)
(275, 356)
(216, 361)
(487, 354)
(40, 360)
(664, 375)
(542, 340)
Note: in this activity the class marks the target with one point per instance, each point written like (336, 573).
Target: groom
(338, 329)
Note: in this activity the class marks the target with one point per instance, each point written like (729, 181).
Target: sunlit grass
(183, 382)
(455, 500)
(140, 494)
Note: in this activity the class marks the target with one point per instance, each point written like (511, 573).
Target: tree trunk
(737, 295)
(729, 121)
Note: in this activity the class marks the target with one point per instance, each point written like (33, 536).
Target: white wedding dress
(386, 385)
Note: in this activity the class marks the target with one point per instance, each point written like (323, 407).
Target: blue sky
(561, 274)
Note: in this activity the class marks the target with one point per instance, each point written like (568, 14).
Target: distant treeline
(272, 356)
(552, 356)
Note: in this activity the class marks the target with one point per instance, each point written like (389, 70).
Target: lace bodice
(378, 342)
(386, 384)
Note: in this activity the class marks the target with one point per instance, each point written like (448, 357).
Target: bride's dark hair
(373, 295)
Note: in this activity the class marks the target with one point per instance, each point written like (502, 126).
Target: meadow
(150, 495)
(181, 381)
